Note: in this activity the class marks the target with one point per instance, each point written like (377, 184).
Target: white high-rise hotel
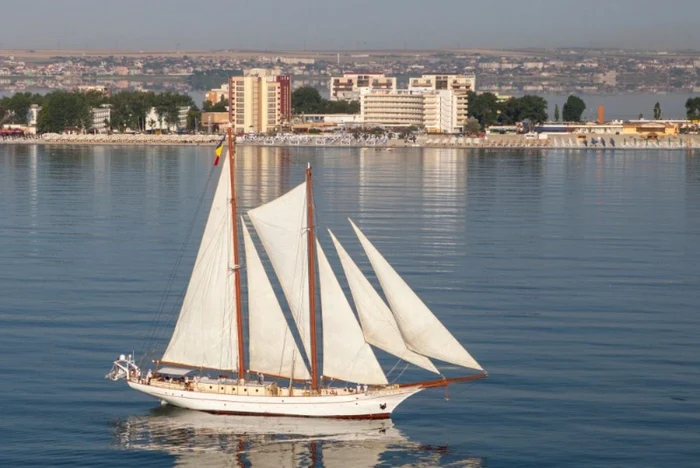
(350, 86)
(436, 102)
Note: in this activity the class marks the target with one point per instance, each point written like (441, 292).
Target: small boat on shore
(204, 366)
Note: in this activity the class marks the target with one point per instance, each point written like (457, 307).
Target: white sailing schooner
(208, 336)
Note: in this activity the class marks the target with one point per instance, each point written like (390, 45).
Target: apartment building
(349, 86)
(436, 111)
(458, 85)
(101, 117)
(260, 101)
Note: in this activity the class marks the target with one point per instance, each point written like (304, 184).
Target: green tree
(692, 108)
(534, 109)
(556, 112)
(64, 109)
(15, 109)
(307, 100)
(472, 127)
(657, 111)
(528, 107)
(573, 109)
(172, 116)
(483, 107)
(341, 107)
(194, 118)
(221, 106)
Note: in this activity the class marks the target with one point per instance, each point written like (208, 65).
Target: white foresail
(421, 330)
(206, 334)
(378, 323)
(281, 226)
(271, 344)
(346, 355)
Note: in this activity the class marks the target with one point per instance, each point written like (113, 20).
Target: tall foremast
(311, 239)
(236, 258)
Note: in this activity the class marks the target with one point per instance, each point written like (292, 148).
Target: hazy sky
(348, 24)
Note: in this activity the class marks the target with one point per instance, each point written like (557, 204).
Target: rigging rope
(158, 324)
(399, 376)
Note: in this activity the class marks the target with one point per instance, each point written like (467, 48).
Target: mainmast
(311, 238)
(236, 263)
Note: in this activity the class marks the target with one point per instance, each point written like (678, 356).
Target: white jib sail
(206, 334)
(346, 355)
(378, 323)
(281, 226)
(421, 330)
(271, 344)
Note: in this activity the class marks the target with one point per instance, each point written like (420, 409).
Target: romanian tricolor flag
(219, 149)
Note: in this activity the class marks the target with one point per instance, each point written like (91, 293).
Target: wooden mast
(311, 238)
(236, 263)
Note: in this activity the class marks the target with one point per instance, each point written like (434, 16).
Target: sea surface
(573, 277)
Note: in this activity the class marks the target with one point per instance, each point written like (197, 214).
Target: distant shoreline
(694, 145)
(551, 141)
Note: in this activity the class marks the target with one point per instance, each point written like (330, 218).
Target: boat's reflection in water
(200, 439)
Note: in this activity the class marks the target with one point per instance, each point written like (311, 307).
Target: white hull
(377, 404)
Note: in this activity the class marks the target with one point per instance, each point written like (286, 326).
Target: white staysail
(346, 355)
(421, 330)
(281, 226)
(378, 323)
(206, 334)
(271, 344)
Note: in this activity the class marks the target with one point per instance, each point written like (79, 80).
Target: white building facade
(458, 85)
(158, 122)
(436, 111)
(101, 117)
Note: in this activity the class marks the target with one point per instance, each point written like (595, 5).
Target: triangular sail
(271, 344)
(346, 355)
(206, 334)
(421, 330)
(378, 323)
(281, 226)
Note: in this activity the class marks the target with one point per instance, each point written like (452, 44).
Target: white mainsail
(271, 344)
(281, 226)
(378, 323)
(346, 355)
(421, 330)
(206, 334)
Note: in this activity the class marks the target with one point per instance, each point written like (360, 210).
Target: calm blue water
(573, 277)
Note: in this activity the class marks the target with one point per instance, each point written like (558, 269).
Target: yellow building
(649, 129)
(259, 102)
(214, 96)
(214, 121)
